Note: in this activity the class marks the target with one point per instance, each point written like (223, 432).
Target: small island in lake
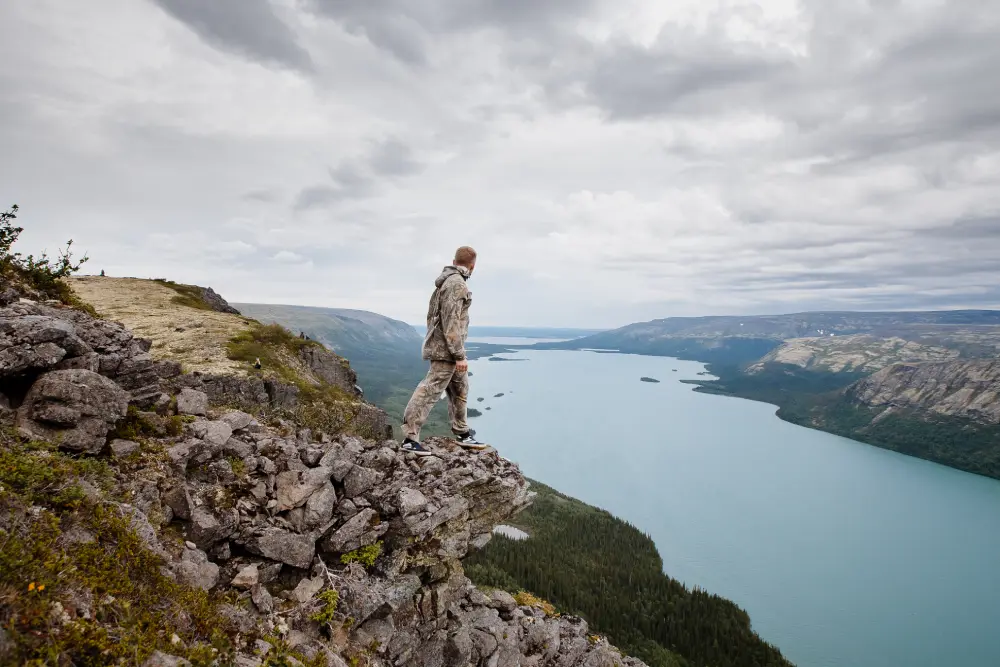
(472, 412)
(498, 395)
(646, 379)
(480, 399)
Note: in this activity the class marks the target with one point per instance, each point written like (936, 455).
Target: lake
(845, 555)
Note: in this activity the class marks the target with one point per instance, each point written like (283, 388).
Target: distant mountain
(744, 339)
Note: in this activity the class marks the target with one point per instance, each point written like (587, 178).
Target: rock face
(857, 353)
(216, 302)
(35, 338)
(961, 388)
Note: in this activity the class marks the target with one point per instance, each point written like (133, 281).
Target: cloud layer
(612, 161)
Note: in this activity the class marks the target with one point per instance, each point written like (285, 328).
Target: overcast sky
(611, 160)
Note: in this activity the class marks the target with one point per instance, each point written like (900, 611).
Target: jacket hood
(448, 272)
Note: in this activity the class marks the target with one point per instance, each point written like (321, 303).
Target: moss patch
(365, 555)
(77, 586)
(187, 295)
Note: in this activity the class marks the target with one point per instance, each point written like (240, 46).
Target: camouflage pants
(441, 377)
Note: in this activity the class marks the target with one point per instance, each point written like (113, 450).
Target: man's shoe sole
(410, 451)
(477, 448)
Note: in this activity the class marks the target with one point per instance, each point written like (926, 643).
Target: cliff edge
(154, 516)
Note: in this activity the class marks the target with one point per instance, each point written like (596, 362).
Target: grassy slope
(592, 564)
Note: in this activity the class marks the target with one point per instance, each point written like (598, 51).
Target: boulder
(215, 433)
(319, 507)
(196, 570)
(192, 402)
(306, 589)
(248, 577)
(294, 487)
(284, 546)
(122, 448)
(359, 480)
(75, 408)
(410, 501)
(237, 419)
(360, 530)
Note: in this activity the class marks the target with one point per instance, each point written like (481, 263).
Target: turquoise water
(845, 555)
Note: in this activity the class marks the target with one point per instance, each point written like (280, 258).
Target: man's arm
(452, 300)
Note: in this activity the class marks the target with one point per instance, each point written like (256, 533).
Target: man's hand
(462, 365)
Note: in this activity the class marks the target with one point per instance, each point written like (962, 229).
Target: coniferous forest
(587, 562)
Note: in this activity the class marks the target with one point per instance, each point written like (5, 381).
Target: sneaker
(415, 447)
(468, 440)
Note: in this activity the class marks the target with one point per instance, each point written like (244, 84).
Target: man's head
(466, 257)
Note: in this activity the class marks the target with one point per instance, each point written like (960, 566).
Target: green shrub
(42, 274)
(330, 599)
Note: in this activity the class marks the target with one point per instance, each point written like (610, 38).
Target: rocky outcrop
(298, 516)
(37, 338)
(963, 388)
(216, 302)
(858, 353)
(347, 549)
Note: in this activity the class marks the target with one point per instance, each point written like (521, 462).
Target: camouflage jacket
(448, 316)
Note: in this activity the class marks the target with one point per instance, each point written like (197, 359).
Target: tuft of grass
(526, 599)
(187, 295)
(365, 555)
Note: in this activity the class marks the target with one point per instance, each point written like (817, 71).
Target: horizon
(611, 160)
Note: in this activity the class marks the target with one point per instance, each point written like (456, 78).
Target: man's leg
(425, 396)
(458, 402)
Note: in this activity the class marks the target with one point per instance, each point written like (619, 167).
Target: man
(444, 347)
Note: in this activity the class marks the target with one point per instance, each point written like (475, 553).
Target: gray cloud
(618, 160)
(247, 27)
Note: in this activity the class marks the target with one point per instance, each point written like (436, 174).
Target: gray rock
(502, 600)
(359, 480)
(160, 659)
(319, 507)
(311, 456)
(306, 589)
(178, 500)
(196, 570)
(207, 528)
(410, 501)
(75, 408)
(36, 343)
(269, 572)
(216, 433)
(284, 546)
(294, 487)
(248, 577)
(237, 420)
(340, 467)
(141, 526)
(122, 448)
(262, 599)
(352, 534)
(192, 402)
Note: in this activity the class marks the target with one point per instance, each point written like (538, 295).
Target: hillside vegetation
(587, 562)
